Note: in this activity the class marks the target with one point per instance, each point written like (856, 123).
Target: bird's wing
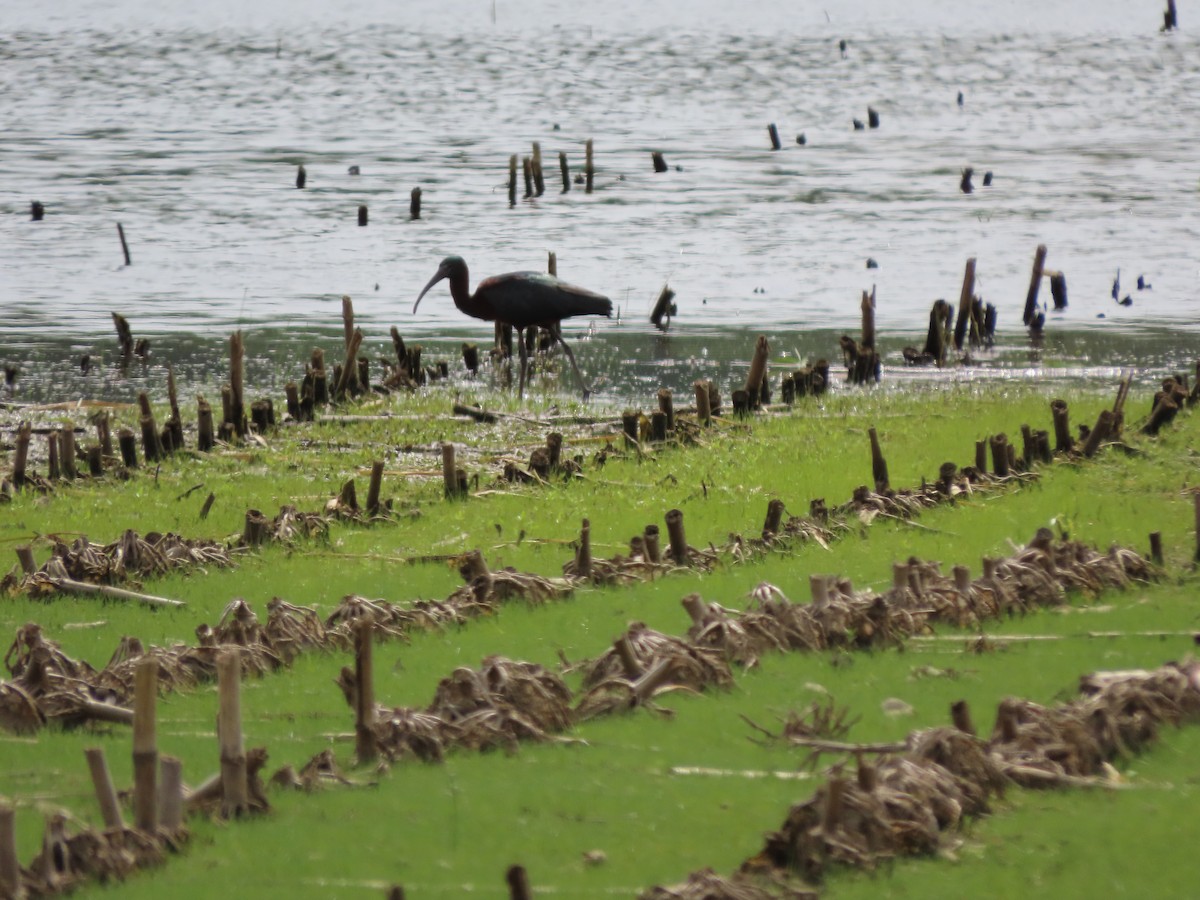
(522, 299)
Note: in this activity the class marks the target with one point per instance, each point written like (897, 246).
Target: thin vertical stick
(583, 559)
(145, 746)
(964, 304)
(512, 180)
(237, 357)
(364, 702)
(868, 319)
(106, 794)
(565, 170)
(235, 798)
(375, 487)
(1035, 281)
(414, 204)
(170, 809)
(588, 169)
(758, 368)
(124, 245)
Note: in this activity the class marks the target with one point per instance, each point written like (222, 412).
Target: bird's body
(522, 300)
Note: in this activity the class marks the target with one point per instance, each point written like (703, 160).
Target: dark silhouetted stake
(301, 177)
(518, 884)
(362, 215)
(960, 98)
(964, 304)
(1143, 284)
(964, 184)
(801, 139)
(36, 211)
(987, 179)
(512, 180)
(527, 171)
(842, 47)
(539, 181)
(1035, 281)
(589, 170)
(871, 264)
(660, 164)
(521, 300)
(1058, 289)
(124, 245)
(664, 307)
(353, 170)
(414, 204)
(872, 117)
(1170, 17)
(858, 125)
(565, 170)
(774, 133)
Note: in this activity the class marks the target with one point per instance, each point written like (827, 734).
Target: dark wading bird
(522, 300)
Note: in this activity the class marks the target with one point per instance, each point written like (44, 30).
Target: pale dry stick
(106, 794)
(234, 787)
(145, 747)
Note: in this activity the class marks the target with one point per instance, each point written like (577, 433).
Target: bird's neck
(460, 288)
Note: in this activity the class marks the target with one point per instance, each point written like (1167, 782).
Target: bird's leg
(556, 330)
(524, 361)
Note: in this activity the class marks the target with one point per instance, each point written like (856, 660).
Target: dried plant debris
(68, 860)
(903, 803)
(707, 885)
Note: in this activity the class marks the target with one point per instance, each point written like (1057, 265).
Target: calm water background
(186, 124)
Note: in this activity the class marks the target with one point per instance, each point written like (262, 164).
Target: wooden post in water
(1170, 17)
(235, 793)
(539, 181)
(301, 177)
(414, 204)
(1063, 442)
(776, 144)
(678, 539)
(527, 171)
(663, 308)
(965, 299)
(758, 369)
(565, 170)
(512, 180)
(237, 361)
(37, 211)
(145, 745)
(124, 245)
(363, 215)
(660, 164)
(552, 263)
(868, 319)
(1035, 281)
(106, 794)
(364, 698)
(589, 170)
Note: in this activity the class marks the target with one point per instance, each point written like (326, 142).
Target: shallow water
(187, 125)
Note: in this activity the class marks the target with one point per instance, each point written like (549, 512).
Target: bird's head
(450, 267)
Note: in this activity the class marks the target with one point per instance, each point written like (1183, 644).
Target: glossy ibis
(522, 300)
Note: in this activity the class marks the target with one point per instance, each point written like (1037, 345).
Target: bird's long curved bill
(432, 281)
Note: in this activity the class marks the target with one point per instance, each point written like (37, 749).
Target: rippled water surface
(187, 126)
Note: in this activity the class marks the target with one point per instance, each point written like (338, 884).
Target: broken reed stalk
(237, 360)
(347, 320)
(960, 712)
(414, 204)
(71, 586)
(868, 319)
(773, 132)
(21, 453)
(1196, 500)
(25, 558)
(104, 435)
(1035, 281)
(650, 544)
(235, 798)
(102, 784)
(449, 471)
(758, 371)
(663, 308)
(964, 304)
(552, 263)
(703, 410)
(1063, 441)
(1099, 434)
(348, 382)
(666, 405)
(66, 444)
(512, 180)
(373, 490)
(127, 442)
(10, 868)
(124, 244)
(364, 215)
(539, 181)
(1156, 551)
(527, 171)
(170, 807)
(589, 169)
(364, 698)
(879, 469)
(583, 557)
(145, 746)
(677, 538)
(774, 518)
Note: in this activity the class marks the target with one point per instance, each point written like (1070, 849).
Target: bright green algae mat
(438, 829)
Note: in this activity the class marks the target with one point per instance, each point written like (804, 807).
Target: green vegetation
(438, 829)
